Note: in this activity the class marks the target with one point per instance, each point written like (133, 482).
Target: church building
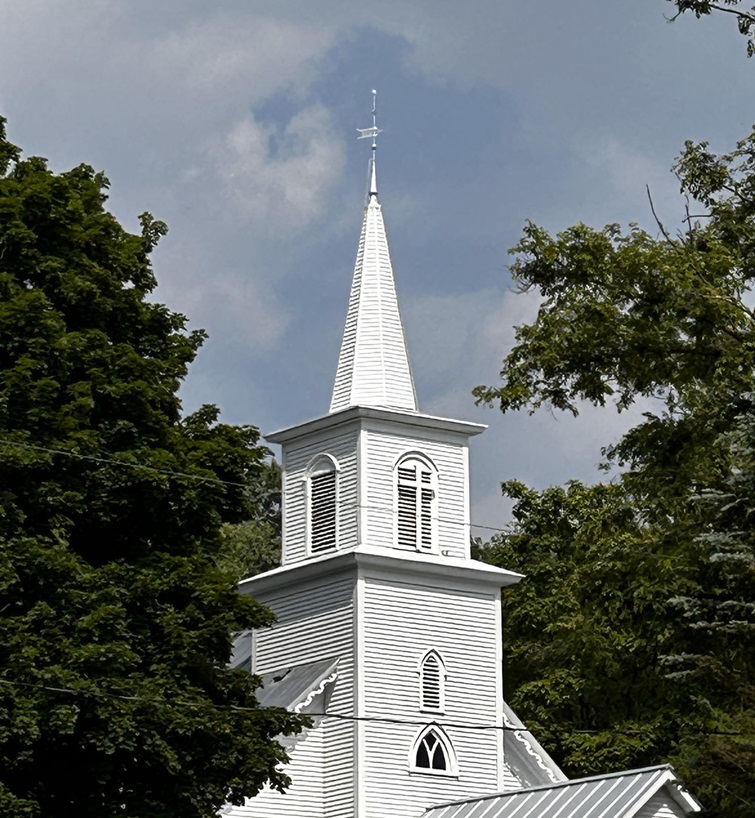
(388, 634)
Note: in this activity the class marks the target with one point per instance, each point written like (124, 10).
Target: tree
(115, 697)
(716, 658)
(586, 631)
(626, 316)
(745, 17)
(254, 545)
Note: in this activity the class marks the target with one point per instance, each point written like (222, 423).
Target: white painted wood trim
(416, 420)
(284, 526)
(363, 532)
(467, 505)
(360, 795)
(499, 718)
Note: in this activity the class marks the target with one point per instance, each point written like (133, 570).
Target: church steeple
(373, 366)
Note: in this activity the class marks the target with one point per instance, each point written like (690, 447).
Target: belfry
(388, 633)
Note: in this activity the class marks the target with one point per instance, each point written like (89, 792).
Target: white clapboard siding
(383, 448)
(316, 621)
(305, 797)
(660, 806)
(297, 456)
(340, 751)
(401, 623)
(510, 781)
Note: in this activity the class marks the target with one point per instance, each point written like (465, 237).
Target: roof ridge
(556, 785)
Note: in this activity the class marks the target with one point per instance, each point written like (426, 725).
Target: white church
(388, 634)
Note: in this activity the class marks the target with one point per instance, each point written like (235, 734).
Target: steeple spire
(373, 367)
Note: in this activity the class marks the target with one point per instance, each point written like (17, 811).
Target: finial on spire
(372, 133)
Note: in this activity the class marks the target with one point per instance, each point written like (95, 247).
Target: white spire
(373, 367)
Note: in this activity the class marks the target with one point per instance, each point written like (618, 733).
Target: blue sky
(235, 122)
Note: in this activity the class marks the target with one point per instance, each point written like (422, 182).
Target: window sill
(433, 773)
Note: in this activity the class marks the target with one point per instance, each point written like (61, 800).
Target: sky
(235, 122)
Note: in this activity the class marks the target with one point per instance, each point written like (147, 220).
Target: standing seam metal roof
(618, 795)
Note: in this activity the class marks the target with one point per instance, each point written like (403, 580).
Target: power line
(215, 480)
(327, 714)
(109, 460)
(259, 710)
(218, 481)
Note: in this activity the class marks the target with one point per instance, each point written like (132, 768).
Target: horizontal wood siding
(383, 448)
(297, 455)
(316, 621)
(401, 623)
(304, 798)
(660, 807)
(510, 781)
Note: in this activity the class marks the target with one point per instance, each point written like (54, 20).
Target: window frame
(321, 464)
(424, 706)
(411, 494)
(451, 769)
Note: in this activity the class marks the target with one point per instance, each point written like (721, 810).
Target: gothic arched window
(432, 677)
(416, 503)
(322, 504)
(432, 752)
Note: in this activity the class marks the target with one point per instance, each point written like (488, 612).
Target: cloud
(629, 170)
(278, 177)
(241, 57)
(460, 339)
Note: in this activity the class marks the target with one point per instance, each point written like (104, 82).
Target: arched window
(433, 753)
(322, 491)
(416, 504)
(432, 677)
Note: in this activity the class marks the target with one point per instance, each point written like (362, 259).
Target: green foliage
(745, 17)
(586, 630)
(253, 546)
(627, 316)
(716, 661)
(115, 697)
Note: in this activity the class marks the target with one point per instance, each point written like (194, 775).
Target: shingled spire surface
(373, 367)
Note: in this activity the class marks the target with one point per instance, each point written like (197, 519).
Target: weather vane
(371, 133)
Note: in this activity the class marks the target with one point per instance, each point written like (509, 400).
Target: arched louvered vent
(433, 753)
(416, 500)
(432, 681)
(323, 503)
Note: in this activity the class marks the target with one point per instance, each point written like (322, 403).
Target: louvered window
(431, 682)
(415, 505)
(322, 506)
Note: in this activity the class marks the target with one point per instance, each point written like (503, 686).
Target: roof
(358, 414)
(293, 688)
(296, 687)
(617, 795)
(373, 366)
(524, 756)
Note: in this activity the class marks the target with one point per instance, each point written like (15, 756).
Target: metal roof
(618, 795)
(295, 687)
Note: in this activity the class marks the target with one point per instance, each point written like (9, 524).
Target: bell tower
(388, 633)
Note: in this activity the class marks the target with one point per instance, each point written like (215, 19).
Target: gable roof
(523, 754)
(617, 795)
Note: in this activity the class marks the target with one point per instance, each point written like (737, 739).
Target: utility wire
(215, 480)
(385, 510)
(109, 460)
(327, 714)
